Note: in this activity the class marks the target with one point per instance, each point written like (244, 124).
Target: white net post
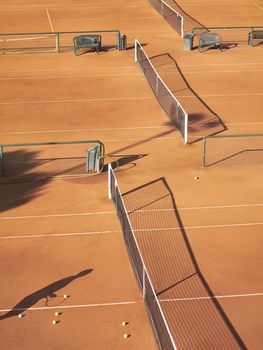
(143, 283)
(109, 181)
(186, 128)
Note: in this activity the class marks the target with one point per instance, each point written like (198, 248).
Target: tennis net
(154, 308)
(49, 159)
(237, 149)
(174, 18)
(165, 97)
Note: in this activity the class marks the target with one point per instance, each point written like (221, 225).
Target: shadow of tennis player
(43, 293)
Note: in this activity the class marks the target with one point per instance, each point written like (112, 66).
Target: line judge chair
(87, 42)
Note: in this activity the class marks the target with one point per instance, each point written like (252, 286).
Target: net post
(1, 162)
(186, 128)
(162, 8)
(204, 152)
(135, 51)
(109, 181)
(157, 85)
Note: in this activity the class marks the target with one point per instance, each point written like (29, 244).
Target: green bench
(254, 34)
(210, 39)
(87, 42)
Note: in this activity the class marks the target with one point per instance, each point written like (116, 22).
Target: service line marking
(79, 100)
(214, 297)
(49, 19)
(54, 235)
(113, 212)
(90, 130)
(71, 76)
(154, 229)
(70, 306)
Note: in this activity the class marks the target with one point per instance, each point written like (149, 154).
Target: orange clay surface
(201, 239)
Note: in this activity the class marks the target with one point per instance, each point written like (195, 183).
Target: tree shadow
(46, 293)
(16, 190)
(183, 292)
(204, 121)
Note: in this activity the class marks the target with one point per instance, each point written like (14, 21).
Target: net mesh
(171, 15)
(165, 97)
(156, 315)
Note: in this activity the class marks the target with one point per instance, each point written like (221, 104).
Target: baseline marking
(214, 297)
(70, 306)
(49, 19)
(113, 212)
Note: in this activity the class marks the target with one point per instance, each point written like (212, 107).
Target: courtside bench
(210, 39)
(87, 42)
(254, 34)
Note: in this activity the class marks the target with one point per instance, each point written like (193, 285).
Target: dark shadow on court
(204, 121)
(46, 293)
(189, 21)
(15, 188)
(182, 290)
(122, 162)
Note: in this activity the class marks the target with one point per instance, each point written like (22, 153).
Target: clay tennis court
(201, 239)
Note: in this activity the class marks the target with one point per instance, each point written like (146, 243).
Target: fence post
(1, 162)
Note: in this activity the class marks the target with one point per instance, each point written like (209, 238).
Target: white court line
(67, 69)
(214, 297)
(199, 208)
(222, 95)
(52, 235)
(90, 130)
(221, 64)
(46, 308)
(105, 129)
(154, 229)
(72, 76)
(105, 18)
(79, 100)
(212, 72)
(49, 19)
(113, 212)
(56, 215)
(259, 7)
